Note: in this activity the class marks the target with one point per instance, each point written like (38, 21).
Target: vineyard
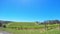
(32, 28)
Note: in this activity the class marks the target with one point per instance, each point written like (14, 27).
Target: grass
(28, 25)
(22, 31)
(53, 31)
(32, 28)
(24, 25)
(13, 31)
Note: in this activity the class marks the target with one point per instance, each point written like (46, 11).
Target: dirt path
(4, 32)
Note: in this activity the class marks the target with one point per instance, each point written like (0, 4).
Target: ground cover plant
(31, 28)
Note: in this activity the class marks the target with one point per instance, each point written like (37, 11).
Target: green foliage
(53, 31)
(30, 28)
(25, 25)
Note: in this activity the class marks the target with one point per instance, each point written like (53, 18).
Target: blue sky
(29, 10)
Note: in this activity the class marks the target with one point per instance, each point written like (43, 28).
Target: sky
(29, 10)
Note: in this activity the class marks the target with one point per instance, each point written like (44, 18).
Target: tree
(0, 24)
(37, 22)
(4, 26)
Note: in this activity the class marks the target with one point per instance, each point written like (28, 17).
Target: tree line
(49, 22)
(2, 23)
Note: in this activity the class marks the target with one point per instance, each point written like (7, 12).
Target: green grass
(29, 25)
(13, 31)
(12, 27)
(24, 25)
(53, 31)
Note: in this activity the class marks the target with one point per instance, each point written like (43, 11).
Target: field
(31, 28)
